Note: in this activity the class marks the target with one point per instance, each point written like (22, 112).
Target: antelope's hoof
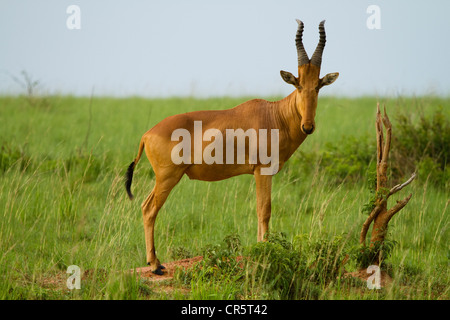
(158, 271)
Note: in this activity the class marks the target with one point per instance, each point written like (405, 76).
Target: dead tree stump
(381, 215)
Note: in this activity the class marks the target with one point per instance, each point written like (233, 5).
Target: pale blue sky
(215, 48)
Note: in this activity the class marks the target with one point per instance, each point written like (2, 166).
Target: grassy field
(63, 203)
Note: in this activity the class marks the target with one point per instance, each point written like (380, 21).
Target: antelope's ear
(329, 79)
(289, 78)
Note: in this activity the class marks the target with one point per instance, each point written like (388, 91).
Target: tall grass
(63, 203)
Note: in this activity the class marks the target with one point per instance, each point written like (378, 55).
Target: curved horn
(316, 58)
(301, 52)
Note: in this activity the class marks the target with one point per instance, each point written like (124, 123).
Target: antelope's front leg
(263, 202)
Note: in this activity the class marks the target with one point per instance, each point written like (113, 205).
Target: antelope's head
(308, 82)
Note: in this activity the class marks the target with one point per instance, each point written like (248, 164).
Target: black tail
(129, 176)
(129, 179)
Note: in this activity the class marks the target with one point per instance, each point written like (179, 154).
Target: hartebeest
(292, 118)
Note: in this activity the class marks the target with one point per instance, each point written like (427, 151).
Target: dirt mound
(169, 270)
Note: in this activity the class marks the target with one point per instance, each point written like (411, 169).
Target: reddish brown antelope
(292, 119)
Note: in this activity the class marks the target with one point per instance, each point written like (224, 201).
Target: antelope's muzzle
(308, 129)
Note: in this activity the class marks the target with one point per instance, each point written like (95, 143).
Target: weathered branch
(399, 206)
(380, 215)
(399, 187)
(387, 143)
(366, 225)
(383, 147)
(379, 131)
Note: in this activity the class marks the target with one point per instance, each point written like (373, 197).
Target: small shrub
(232, 243)
(430, 170)
(421, 144)
(222, 258)
(282, 267)
(278, 270)
(219, 274)
(367, 255)
(278, 238)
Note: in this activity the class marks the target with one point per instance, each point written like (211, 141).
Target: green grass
(63, 203)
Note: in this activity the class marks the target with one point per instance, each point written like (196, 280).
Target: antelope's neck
(288, 113)
(289, 120)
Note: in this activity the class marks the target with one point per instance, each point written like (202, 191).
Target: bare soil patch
(169, 270)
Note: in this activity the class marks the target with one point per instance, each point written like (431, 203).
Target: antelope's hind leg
(150, 209)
